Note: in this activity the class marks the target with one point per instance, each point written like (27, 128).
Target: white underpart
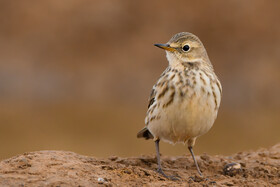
(187, 117)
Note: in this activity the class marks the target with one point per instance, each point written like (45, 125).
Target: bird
(184, 102)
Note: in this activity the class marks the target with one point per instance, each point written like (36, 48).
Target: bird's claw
(174, 178)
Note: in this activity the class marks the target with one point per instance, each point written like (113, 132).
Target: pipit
(184, 102)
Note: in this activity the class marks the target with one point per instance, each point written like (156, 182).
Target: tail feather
(145, 133)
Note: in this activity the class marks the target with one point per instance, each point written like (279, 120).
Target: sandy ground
(62, 168)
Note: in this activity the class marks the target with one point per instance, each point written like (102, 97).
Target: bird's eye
(186, 48)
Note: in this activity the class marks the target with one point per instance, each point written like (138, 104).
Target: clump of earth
(62, 168)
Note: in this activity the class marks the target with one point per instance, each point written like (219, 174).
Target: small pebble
(100, 180)
(232, 169)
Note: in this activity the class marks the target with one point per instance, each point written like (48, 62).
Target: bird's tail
(145, 133)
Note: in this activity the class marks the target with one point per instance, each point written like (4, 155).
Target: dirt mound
(61, 168)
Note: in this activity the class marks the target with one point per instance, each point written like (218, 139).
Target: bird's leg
(159, 170)
(197, 167)
(158, 159)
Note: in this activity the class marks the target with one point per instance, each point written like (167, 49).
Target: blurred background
(76, 75)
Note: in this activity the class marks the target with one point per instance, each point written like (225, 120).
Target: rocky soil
(62, 168)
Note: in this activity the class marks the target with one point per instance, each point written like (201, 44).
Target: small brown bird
(185, 100)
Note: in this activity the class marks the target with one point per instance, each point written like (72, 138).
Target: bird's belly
(186, 118)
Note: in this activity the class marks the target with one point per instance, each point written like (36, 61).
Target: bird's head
(184, 47)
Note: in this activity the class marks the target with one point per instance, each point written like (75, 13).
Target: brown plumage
(185, 100)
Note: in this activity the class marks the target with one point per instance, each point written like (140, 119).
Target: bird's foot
(199, 172)
(174, 178)
(200, 178)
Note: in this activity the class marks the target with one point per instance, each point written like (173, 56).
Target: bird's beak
(165, 47)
